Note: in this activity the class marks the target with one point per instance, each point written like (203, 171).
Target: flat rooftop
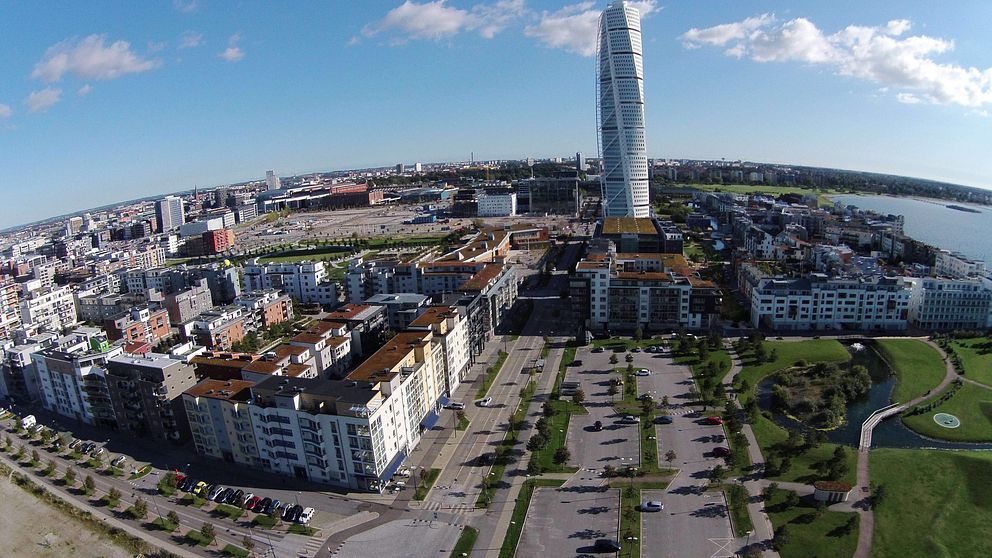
(227, 390)
(390, 355)
(628, 225)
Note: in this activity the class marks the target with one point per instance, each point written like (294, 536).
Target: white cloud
(90, 58)
(42, 100)
(5, 111)
(185, 6)
(880, 54)
(233, 53)
(84, 90)
(190, 39)
(435, 20)
(575, 27)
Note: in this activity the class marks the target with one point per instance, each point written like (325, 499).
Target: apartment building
(822, 303)
(10, 313)
(141, 324)
(305, 282)
(650, 291)
(218, 328)
(51, 309)
(944, 304)
(100, 307)
(220, 420)
(450, 329)
(72, 376)
(183, 305)
(401, 308)
(146, 392)
(955, 264)
(497, 202)
(267, 305)
(330, 344)
(367, 324)
(285, 360)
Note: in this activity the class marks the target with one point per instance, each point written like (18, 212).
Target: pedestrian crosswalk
(450, 508)
(312, 546)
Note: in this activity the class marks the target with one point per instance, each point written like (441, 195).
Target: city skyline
(111, 104)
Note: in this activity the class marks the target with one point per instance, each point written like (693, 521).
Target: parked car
(235, 498)
(630, 419)
(75, 443)
(179, 477)
(274, 507)
(663, 419)
(224, 494)
(200, 488)
(456, 406)
(484, 402)
(607, 545)
(306, 516)
(292, 513)
(245, 498)
(119, 461)
(714, 420)
(597, 426)
(97, 452)
(597, 349)
(721, 451)
(217, 490)
(652, 506)
(87, 447)
(186, 485)
(263, 505)
(635, 350)
(252, 503)
(643, 372)
(577, 362)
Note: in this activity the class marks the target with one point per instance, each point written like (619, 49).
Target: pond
(890, 433)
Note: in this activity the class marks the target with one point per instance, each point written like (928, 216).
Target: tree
(113, 495)
(670, 456)
(613, 358)
(533, 468)
(768, 492)
(664, 401)
(139, 510)
(877, 495)
(70, 477)
(612, 390)
(460, 416)
(88, 484)
(718, 473)
(629, 357)
(46, 436)
(34, 456)
(781, 537)
(792, 499)
(207, 530)
(638, 334)
(609, 471)
(562, 455)
(647, 406)
(172, 517)
(548, 409)
(50, 468)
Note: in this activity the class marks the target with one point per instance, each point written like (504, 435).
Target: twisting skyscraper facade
(624, 178)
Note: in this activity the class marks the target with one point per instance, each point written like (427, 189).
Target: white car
(643, 372)
(652, 506)
(119, 461)
(630, 419)
(456, 406)
(306, 516)
(484, 402)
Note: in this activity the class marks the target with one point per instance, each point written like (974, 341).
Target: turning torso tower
(624, 178)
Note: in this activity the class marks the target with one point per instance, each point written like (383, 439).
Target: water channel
(891, 433)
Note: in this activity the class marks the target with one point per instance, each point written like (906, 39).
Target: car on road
(199, 488)
(597, 349)
(643, 372)
(119, 461)
(455, 406)
(714, 420)
(306, 516)
(652, 506)
(217, 490)
(597, 426)
(721, 451)
(630, 419)
(484, 402)
(663, 419)
(606, 545)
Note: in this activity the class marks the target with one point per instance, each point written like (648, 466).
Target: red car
(714, 420)
(250, 505)
(179, 477)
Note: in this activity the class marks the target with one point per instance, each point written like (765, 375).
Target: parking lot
(565, 522)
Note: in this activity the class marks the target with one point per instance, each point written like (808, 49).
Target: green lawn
(936, 503)
(976, 356)
(630, 523)
(230, 512)
(192, 500)
(164, 524)
(516, 527)
(558, 423)
(567, 356)
(737, 502)
(694, 251)
(918, 367)
(234, 551)
(769, 434)
(424, 484)
(144, 470)
(298, 529)
(266, 521)
(196, 537)
(463, 424)
(466, 542)
(971, 404)
(810, 536)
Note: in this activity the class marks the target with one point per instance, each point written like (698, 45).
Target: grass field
(769, 434)
(737, 498)
(558, 424)
(936, 503)
(810, 536)
(426, 483)
(971, 404)
(630, 523)
(976, 356)
(466, 542)
(919, 367)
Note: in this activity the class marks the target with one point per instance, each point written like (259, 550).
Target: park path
(861, 493)
(763, 529)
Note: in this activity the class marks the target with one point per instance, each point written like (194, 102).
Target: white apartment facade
(941, 304)
(450, 330)
(954, 264)
(306, 281)
(219, 418)
(497, 204)
(48, 309)
(72, 377)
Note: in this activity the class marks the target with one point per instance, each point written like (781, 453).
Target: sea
(931, 221)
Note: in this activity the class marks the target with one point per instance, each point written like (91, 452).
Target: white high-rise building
(169, 213)
(272, 181)
(624, 179)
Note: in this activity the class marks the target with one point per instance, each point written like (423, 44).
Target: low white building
(501, 203)
(954, 264)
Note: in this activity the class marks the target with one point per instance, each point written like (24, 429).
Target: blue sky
(106, 101)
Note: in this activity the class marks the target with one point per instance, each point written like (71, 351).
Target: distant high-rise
(624, 177)
(417, 167)
(400, 168)
(169, 213)
(580, 162)
(272, 181)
